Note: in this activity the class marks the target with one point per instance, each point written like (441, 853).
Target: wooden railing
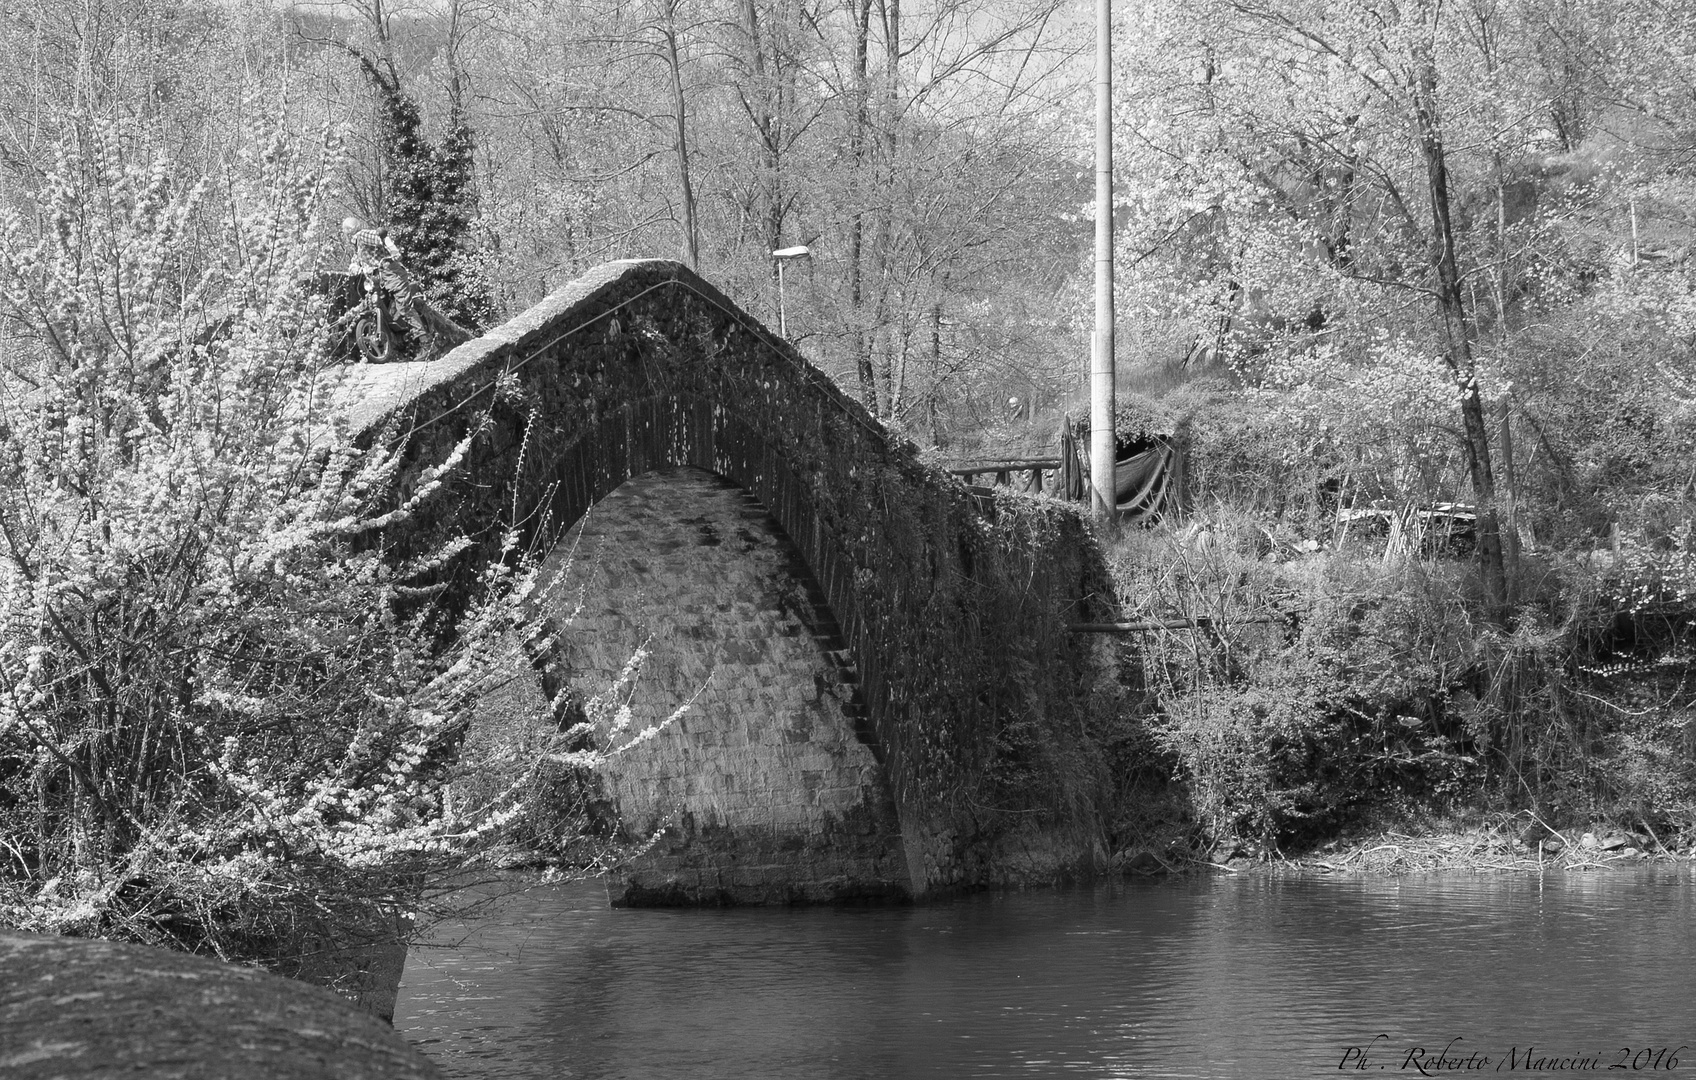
(1002, 472)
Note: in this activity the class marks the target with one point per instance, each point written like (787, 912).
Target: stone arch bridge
(885, 701)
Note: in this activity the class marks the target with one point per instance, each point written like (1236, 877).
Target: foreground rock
(71, 1007)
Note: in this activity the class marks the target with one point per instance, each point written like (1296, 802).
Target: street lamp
(783, 255)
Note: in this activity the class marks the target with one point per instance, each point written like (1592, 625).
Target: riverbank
(1595, 848)
(1516, 843)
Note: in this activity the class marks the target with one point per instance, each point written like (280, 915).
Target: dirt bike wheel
(376, 344)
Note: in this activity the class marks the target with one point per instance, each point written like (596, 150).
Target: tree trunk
(1457, 334)
(763, 114)
(859, 123)
(888, 138)
(898, 392)
(686, 190)
(935, 371)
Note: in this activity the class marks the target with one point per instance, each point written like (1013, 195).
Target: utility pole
(1101, 443)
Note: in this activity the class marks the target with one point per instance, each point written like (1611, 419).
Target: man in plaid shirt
(371, 247)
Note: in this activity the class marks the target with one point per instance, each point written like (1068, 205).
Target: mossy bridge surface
(884, 698)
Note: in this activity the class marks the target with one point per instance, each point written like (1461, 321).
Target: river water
(1251, 976)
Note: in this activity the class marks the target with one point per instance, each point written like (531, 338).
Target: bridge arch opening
(771, 787)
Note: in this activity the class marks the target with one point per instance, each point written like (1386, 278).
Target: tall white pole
(1101, 344)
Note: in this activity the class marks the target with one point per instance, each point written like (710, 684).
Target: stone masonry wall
(952, 606)
(765, 789)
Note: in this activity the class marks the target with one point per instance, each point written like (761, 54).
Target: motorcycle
(369, 324)
(374, 330)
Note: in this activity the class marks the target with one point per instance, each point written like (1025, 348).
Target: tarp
(1146, 483)
(1141, 482)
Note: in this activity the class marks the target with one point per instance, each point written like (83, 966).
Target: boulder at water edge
(75, 1008)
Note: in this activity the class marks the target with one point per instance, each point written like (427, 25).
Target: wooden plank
(1020, 465)
(1202, 623)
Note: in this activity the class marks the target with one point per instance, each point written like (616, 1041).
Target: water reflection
(1242, 976)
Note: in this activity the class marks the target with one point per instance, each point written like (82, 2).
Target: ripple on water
(1240, 976)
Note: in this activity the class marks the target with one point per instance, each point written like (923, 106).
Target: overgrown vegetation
(223, 724)
(1413, 284)
(1343, 681)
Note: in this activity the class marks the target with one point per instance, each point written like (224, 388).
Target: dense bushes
(1369, 688)
(224, 725)
(1389, 689)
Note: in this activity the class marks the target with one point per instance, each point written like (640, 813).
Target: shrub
(1313, 693)
(223, 724)
(1252, 756)
(1380, 691)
